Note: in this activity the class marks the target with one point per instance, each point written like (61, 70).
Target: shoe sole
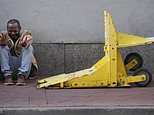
(20, 84)
(8, 83)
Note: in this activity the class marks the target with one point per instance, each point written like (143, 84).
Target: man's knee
(4, 48)
(28, 49)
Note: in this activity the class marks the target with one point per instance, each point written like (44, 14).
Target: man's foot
(8, 80)
(21, 80)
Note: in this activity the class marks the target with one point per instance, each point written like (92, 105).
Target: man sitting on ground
(16, 53)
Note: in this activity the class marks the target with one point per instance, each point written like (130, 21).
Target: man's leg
(5, 67)
(25, 60)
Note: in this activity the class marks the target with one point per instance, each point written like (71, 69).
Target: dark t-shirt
(14, 39)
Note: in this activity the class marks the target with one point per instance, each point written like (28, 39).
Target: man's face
(13, 30)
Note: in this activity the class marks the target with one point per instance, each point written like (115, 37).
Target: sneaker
(20, 80)
(8, 80)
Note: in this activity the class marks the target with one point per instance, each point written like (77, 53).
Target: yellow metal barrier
(110, 71)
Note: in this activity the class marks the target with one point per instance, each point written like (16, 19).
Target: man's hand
(25, 42)
(3, 39)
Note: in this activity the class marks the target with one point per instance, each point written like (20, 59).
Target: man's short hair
(12, 21)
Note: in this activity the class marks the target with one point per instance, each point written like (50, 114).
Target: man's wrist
(2, 44)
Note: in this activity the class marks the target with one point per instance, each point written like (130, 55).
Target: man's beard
(14, 37)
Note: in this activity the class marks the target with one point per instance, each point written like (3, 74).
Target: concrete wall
(58, 58)
(69, 34)
(76, 21)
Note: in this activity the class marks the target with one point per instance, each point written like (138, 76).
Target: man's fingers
(23, 42)
(2, 35)
(5, 36)
(26, 38)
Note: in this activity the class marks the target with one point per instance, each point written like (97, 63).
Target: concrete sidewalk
(30, 100)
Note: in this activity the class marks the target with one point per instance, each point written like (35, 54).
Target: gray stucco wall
(78, 21)
(69, 34)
